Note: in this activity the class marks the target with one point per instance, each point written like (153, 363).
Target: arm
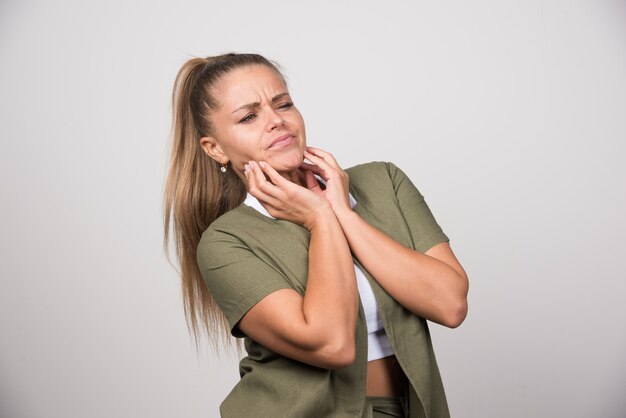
(318, 328)
(433, 284)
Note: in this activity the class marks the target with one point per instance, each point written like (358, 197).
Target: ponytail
(196, 191)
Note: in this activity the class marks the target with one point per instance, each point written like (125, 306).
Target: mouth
(282, 140)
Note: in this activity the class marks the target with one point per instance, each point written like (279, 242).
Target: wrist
(321, 217)
(345, 215)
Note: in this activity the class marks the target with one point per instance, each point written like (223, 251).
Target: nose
(275, 120)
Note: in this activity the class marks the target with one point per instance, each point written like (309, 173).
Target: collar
(254, 202)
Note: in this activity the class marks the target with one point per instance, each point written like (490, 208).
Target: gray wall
(508, 116)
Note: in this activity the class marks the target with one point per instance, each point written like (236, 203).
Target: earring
(223, 168)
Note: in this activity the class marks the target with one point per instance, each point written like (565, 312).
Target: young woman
(329, 275)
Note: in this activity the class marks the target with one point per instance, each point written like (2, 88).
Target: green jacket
(244, 256)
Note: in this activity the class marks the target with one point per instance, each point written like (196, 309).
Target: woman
(328, 274)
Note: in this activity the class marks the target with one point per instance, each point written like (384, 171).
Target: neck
(295, 176)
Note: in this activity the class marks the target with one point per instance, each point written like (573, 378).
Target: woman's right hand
(316, 328)
(284, 199)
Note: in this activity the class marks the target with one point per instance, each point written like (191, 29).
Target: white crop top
(378, 345)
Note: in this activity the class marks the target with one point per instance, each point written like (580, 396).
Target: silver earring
(223, 168)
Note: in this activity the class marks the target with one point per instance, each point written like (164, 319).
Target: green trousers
(385, 407)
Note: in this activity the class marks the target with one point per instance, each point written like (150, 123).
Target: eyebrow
(257, 104)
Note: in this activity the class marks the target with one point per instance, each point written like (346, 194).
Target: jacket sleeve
(424, 229)
(236, 278)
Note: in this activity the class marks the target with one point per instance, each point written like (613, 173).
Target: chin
(288, 161)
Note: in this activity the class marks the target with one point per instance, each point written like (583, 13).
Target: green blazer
(244, 256)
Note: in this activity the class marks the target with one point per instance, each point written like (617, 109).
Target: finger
(261, 180)
(258, 186)
(311, 167)
(247, 171)
(252, 182)
(321, 163)
(275, 178)
(264, 199)
(327, 156)
(311, 181)
(277, 185)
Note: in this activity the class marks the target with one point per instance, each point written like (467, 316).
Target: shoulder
(376, 175)
(366, 169)
(373, 168)
(226, 232)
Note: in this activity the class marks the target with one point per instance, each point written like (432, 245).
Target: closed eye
(251, 116)
(247, 118)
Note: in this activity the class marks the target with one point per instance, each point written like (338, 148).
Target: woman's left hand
(337, 181)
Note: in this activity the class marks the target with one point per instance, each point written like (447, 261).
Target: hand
(282, 198)
(337, 181)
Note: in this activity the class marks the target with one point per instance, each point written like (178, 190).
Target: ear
(213, 149)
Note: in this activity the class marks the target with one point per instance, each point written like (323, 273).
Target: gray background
(508, 116)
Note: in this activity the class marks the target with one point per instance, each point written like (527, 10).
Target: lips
(283, 139)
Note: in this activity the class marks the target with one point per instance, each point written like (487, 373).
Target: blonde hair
(196, 191)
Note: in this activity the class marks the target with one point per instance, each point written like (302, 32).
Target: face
(256, 120)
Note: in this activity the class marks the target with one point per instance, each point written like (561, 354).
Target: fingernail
(262, 164)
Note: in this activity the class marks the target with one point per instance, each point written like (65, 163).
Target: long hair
(196, 191)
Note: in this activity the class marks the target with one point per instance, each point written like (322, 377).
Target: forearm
(330, 304)
(424, 285)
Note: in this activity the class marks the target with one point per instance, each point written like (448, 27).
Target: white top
(378, 345)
